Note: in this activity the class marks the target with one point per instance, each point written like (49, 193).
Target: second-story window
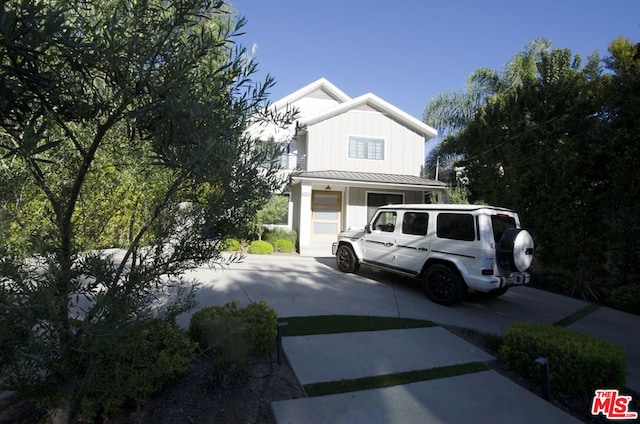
(366, 148)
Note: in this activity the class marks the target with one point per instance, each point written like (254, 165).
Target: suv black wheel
(346, 259)
(443, 285)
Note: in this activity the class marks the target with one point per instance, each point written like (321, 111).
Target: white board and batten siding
(328, 144)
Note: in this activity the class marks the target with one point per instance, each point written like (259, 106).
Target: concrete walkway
(333, 357)
(484, 397)
(298, 286)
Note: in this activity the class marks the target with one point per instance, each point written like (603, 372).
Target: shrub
(578, 363)
(272, 234)
(626, 298)
(230, 245)
(582, 282)
(230, 333)
(220, 332)
(259, 247)
(284, 246)
(262, 322)
(551, 279)
(203, 320)
(133, 362)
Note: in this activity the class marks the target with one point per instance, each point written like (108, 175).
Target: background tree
(275, 209)
(558, 148)
(97, 98)
(620, 155)
(450, 112)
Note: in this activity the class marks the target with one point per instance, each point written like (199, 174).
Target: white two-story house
(347, 157)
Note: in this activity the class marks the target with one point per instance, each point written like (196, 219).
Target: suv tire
(444, 285)
(515, 250)
(346, 259)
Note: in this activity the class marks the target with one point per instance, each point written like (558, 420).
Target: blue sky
(408, 51)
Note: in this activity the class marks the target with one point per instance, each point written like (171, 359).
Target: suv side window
(501, 223)
(415, 223)
(386, 221)
(455, 226)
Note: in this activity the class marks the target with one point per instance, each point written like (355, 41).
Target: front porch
(327, 202)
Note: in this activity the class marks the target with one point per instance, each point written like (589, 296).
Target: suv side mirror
(367, 229)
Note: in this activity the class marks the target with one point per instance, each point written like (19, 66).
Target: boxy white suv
(452, 248)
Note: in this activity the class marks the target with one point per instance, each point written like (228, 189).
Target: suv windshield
(500, 223)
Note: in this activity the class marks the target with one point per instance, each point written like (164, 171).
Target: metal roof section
(368, 178)
(377, 103)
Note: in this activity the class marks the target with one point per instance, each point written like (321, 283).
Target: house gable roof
(375, 102)
(320, 85)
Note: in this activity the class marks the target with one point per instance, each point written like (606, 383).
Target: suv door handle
(388, 243)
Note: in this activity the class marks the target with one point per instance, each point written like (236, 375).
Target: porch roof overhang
(368, 179)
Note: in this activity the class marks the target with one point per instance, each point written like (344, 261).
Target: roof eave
(323, 83)
(374, 101)
(353, 183)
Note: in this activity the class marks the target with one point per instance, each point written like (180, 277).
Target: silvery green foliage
(162, 83)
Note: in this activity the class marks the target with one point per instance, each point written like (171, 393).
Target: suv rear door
(456, 236)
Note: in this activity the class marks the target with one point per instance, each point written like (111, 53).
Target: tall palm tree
(450, 111)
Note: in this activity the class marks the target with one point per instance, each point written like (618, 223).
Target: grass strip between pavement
(566, 321)
(342, 386)
(331, 324)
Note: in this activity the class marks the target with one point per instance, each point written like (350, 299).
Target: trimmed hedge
(260, 247)
(283, 246)
(578, 363)
(230, 245)
(272, 234)
(231, 333)
(262, 321)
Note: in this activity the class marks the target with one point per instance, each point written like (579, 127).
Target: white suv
(452, 248)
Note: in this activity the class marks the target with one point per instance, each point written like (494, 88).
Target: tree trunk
(61, 414)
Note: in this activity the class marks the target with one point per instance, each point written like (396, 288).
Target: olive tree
(94, 93)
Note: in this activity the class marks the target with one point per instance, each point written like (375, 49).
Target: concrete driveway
(301, 286)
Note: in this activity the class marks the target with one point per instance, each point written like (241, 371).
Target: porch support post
(305, 217)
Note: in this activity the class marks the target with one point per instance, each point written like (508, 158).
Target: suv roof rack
(444, 206)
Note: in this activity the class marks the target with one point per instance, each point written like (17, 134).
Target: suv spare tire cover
(515, 250)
